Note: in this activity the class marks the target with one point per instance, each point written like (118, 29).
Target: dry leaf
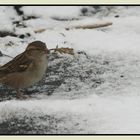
(64, 50)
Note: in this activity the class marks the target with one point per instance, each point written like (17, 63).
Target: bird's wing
(19, 64)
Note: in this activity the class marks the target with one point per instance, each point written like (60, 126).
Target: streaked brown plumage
(26, 68)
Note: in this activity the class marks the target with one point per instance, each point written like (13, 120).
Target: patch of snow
(52, 11)
(7, 14)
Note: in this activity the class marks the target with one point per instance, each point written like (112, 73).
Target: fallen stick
(90, 26)
(40, 30)
(87, 26)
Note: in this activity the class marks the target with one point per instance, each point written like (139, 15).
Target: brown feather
(15, 65)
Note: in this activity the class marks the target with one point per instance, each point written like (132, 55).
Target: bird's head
(37, 49)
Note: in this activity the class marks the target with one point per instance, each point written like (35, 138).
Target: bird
(26, 68)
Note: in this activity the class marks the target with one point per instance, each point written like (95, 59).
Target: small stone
(22, 36)
(116, 16)
(122, 76)
(1, 54)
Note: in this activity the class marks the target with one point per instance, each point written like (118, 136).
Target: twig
(63, 50)
(40, 30)
(90, 26)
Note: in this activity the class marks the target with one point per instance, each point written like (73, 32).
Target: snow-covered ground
(95, 92)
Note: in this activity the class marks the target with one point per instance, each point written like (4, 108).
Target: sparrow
(26, 68)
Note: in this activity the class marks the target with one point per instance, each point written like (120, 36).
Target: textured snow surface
(96, 91)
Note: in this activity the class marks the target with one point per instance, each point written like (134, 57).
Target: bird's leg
(20, 95)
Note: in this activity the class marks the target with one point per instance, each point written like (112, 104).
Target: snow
(7, 14)
(110, 106)
(52, 11)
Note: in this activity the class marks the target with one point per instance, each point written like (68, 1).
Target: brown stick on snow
(40, 30)
(91, 26)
